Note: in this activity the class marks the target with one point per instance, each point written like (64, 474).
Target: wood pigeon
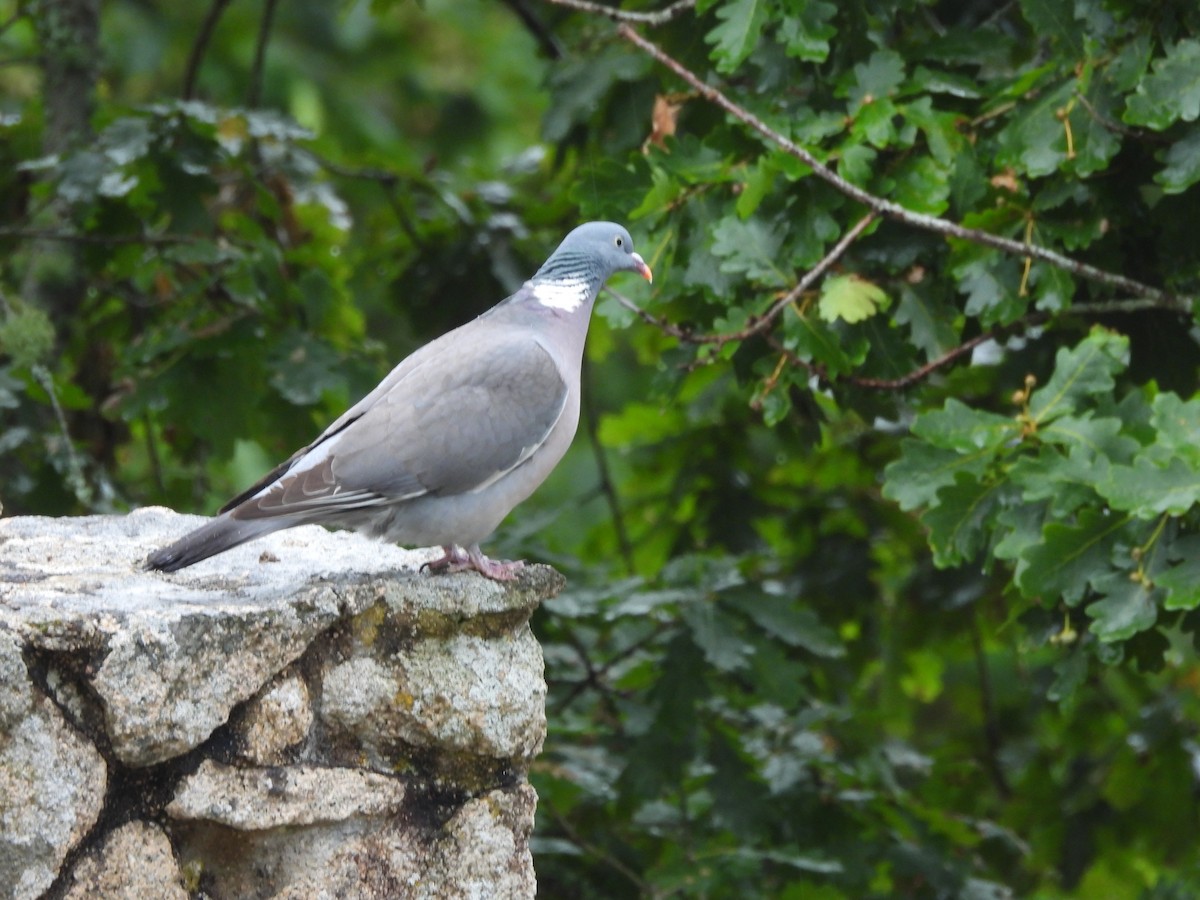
(454, 437)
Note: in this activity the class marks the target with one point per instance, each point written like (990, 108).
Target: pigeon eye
(620, 241)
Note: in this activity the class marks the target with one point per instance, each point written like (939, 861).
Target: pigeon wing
(455, 422)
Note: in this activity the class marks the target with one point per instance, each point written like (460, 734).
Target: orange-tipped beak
(642, 268)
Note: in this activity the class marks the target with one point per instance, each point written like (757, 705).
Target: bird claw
(452, 559)
(455, 559)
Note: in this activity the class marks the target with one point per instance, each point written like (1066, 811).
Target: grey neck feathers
(566, 265)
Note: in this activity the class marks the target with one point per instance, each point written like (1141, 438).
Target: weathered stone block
(52, 782)
(134, 862)
(304, 716)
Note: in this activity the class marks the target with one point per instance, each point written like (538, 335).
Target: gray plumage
(454, 437)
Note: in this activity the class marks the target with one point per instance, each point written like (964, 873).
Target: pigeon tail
(217, 536)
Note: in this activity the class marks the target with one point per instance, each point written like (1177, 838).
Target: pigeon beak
(642, 268)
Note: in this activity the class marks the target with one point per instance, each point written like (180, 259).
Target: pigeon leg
(495, 569)
(453, 559)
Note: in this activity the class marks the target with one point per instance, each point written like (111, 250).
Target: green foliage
(968, 653)
(1086, 498)
(1171, 91)
(850, 299)
(890, 595)
(26, 336)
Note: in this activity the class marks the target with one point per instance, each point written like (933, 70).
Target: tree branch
(387, 179)
(74, 237)
(991, 727)
(254, 92)
(922, 372)
(1141, 304)
(758, 327)
(75, 478)
(893, 210)
(643, 888)
(18, 14)
(607, 487)
(596, 674)
(758, 324)
(536, 27)
(192, 72)
(621, 15)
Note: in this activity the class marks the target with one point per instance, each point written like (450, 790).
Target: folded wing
(452, 423)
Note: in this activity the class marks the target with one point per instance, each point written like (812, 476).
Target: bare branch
(75, 477)
(389, 180)
(893, 210)
(536, 27)
(75, 237)
(254, 92)
(1140, 304)
(598, 852)
(192, 72)
(621, 15)
(608, 487)
(758, 327)
(384, 176)
(1117, 127)
(668, 328)
(596, 674)
(758, 324)
(18, 14)
(922, 372)
(814, 273)
(992, 730)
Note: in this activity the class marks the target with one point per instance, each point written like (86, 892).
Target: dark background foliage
(881, 526)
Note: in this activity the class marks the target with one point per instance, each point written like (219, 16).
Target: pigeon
(454, 437)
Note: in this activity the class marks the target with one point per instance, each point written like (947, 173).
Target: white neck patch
(567, 294)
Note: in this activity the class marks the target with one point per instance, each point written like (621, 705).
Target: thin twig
(591, 678)
(1139, 304)
(922, 372)
(1117, 127)
(608, 488)
(687, 336)
(73, 237)
(391, 181)
(1132, 305)
(383, 176)
(75, 477)
(602, 855)
(254, 92)
(595, 675)
(621, 15)
(812, 274)
(991, 728)
(812, 368)
(18, 14)
(668, 328)
(757, 324)
(536, 27)
(192, 72)
(887, 207)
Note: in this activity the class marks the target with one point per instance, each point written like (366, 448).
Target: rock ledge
(306, 715)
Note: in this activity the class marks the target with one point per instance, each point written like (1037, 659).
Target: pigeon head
(584, 260)
(602, 247)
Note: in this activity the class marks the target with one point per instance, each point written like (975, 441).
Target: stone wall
(304, 716)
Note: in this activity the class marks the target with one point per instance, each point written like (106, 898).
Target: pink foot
(455, 559)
